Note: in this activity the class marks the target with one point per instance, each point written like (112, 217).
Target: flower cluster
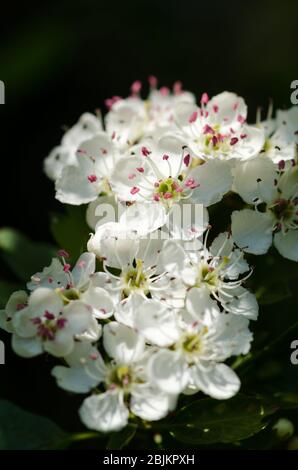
(142, 318)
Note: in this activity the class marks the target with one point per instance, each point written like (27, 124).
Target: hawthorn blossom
(80, 283)
(280, 135)
(44, 323)
(212, 277)
(218, 130)
(125, 384)
(274, 193)
(194, 362)
(88, 176)
(132, 267)
(65, 153)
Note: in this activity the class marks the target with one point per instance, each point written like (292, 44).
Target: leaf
(22, 255)
(6, 289)
(272, 278)
(70, 230)
(208, 421)
(119, 440)
(21, 430)
(275, 292)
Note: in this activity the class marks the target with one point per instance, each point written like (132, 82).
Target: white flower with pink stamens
(46, 324)
(194, 361)
(86, 178)
(80, 283)
(125, 382)
(65, 154)
(274, 193)
(212, 277)
(218, 129)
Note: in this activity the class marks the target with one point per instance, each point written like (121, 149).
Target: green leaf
(272, 278)
(24, 256)
(208, 421)
(70, 230)
(119, 440)
(6, 289)
(272, 293)
(21, 430)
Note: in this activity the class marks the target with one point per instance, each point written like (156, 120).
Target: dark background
(60, 59)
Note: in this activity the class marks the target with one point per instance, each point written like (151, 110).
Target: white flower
(45, 324)
(132, 267)
(218, 129)
(195, 360)
(125, 383)
(80, 283)
(212, 277)
(16, 302)
(258, 182)
(281, 135)
(161, 104)
(126, 120)
(82, 181)
(64, 154)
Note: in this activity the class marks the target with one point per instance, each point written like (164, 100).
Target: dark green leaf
(23, 256)
(119, 440)
(70, 230)
(20, 430)
(208, 421)
(275, 292)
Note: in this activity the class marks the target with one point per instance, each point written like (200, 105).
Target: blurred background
(60, 59)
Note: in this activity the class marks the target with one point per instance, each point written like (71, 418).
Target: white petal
(230, 106)
(287, 244)
(73, 379)
(144, 218)
(149, 403)
(214, 179)
(157, 323)
(100, 301)
(78, 317)
(87, 125)
(61, 345)
(58, 158)
(115, 243)
(252, 231)
(254, 180)
(251, 145)
(51, 277)
(122, 343)
(169, 371)
(44, 299)
(105, 412)
(218, 381)
(201, 306)
(84, 267)
(73, 186)
(173, 258)
(243, 303)
(26, 347)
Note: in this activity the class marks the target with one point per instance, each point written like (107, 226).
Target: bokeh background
(60, 59)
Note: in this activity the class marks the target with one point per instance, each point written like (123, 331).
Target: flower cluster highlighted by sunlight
(140, 318)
